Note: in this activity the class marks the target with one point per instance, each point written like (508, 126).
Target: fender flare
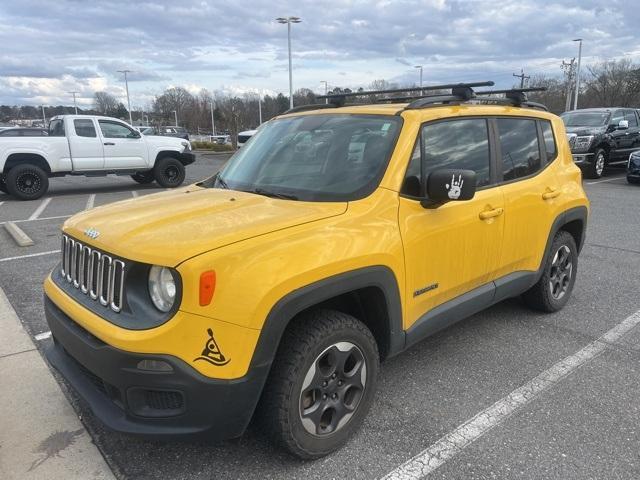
(298, 300)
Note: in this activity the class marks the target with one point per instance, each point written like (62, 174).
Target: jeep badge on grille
(92, 233)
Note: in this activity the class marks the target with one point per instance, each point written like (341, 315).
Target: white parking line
(90, 201)
(1, 203)
(36, 219)
(29, 256)
(134, 194)
(454, 442)
(605, 180)
(42, 336)
(40, 209)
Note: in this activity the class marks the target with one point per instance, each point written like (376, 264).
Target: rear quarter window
(549, 140)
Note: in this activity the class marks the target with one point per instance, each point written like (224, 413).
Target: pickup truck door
(620, 137)
(632, 134)
(124, 148)
(85, 145)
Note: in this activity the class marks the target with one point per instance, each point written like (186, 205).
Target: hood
(169, 227)
(586, 130)
(162, 141)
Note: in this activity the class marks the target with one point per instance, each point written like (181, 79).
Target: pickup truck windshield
(325, 157)
(585, 119)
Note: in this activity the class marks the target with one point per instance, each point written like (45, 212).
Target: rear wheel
(633, 180)
(169, 172)
(143, 177)
(596, 169)
(554, 288)
(321, 384)
(27, 182)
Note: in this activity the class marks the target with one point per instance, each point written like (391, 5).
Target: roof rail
(458, 89)
(311, 106)
(515, 96)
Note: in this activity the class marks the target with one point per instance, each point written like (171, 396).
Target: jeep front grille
(94, 273)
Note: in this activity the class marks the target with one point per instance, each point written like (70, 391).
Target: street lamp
(259, 108)
(175, 115)
(326, 89)
(420, 67)
(44, 118)
(213, 123)
(289, 21)
(575, 99)
(126, 85)
(74, 101)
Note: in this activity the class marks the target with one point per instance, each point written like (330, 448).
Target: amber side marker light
(207, 287)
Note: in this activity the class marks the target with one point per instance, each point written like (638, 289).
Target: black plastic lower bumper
(187, 158)
(152, 404)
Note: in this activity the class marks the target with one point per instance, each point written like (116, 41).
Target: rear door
(124, 148)
(85, 144)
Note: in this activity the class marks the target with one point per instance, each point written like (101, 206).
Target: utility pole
(126, 85)
(575, 98)
(44, 118)
(522, 77)
(74, 101)
(326, 89)
(259, 109)
(213, 123)
(289, 21)
(569, 71)
(420, 67)
(175, 115)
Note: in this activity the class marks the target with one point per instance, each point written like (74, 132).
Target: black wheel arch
(16, 159)
(184, 158)
(370, 294)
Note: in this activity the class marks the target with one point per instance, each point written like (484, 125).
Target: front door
(85, 145)
(124, 148)
(453, 248)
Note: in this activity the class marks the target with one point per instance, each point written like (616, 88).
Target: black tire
(600, 161)
(27, 182)
(143, 178)
(634, 181)
(169, 172)
(3, 185)
(554, 288)
(307, 347)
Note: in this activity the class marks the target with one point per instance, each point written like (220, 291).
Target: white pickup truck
(91, 146)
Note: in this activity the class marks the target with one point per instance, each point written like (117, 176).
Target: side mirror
(447, 185)
(623, 124)
(135, 134)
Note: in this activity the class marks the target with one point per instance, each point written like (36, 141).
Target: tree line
(606, 84)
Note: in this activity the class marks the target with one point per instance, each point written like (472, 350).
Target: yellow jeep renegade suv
(339, 236)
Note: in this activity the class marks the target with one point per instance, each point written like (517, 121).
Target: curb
(40, 434)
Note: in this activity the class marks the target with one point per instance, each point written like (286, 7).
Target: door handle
(548, 195)
(487, 214)
(109, 143)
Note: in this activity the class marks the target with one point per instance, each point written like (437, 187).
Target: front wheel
(143, 178)
(633, 180)
(169, 172)
(321, 383)
(553, 289)
(596, 169)
(27, 182)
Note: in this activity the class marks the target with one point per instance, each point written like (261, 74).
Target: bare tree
(105, 103)
(612, 83)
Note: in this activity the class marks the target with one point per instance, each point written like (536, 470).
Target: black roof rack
(311, 106)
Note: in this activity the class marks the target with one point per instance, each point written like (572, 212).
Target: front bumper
(187, 158)
(583, 158)
(150, 404)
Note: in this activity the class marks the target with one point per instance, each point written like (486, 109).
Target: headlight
(186, 145)
(162, 288)
(582, 143)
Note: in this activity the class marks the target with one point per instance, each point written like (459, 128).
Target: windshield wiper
(269, 193)
(220, 181)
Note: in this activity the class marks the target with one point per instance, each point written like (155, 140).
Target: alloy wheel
(561, 271)
(28, 183)
(600, 163)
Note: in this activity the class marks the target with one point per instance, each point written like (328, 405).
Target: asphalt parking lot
(585, 425)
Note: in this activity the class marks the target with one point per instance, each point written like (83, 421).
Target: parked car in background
(221, 139)
(173, 131)
(633, 168)
(24, 132)
(91, 146)
(600, 137)
(243, 137)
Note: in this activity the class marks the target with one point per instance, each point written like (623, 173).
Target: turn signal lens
(207, 287)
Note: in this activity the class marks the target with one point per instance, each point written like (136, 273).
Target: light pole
(44, 118)
(175, 115)
(126, 86)
(146, 119)
(213, 123)
(420, 67)
(289, 21)
(259, 109)
(575, 98)
(326, 89)
(74, 101)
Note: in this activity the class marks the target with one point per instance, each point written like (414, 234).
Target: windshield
(313, 157)
(585, 119)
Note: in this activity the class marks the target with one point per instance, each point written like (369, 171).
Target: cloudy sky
(52, 47)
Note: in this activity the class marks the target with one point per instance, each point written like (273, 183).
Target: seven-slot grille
(93, 272)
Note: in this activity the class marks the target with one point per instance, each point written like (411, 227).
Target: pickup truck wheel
(596, 169)
(27, 182)
(321, 383)
(3, 185)
(143, 178)
(554, 287)
(169, 172)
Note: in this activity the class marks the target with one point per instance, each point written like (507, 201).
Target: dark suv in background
(602, 136)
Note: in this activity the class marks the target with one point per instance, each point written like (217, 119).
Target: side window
(616, 117)
(631, 117)
(549, 140)
(519, 145)
(84, 128)
(115, 130)
(56, 128)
